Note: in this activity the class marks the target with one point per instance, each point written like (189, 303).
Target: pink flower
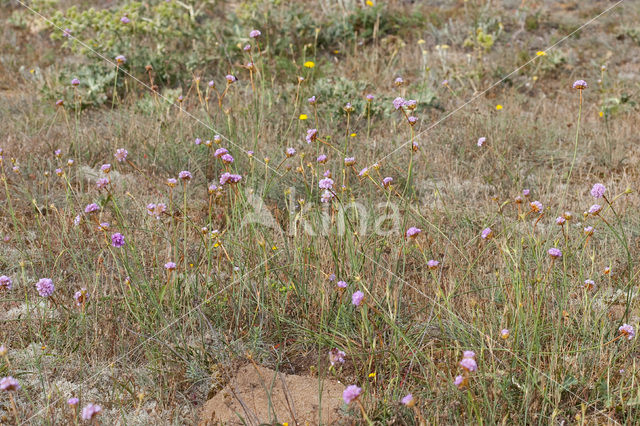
(433, 264)
(413, 232)
(351, 393)
(170, 266)
(356, 298)
(185, 175)
(121, 154)
(5, 283)
(386, 182)
(398, 102)
(595, 209)
(458, 381)
(580, 85)
(408, 400)
(504, 333)
(255, 34)
(560, 220)
(627, 331)
(341, 284)
(45, 287)
(481, 141)
(536, 206)
(290, 152)
(336, 356)
(90, 411)
(469, 364)
(598, 190)
(10, 384)
(555, 252)
(468, 354)
(588, 230)
(326, 183)
(486, 233)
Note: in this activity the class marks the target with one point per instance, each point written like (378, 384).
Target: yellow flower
(303, 117)
(274, 248)
(336, 52)
(372, 375)
(309, 64)
(353, 135)
(498, 107)
(369, 3)
(421, 41)
(541, 53)
(601, 114)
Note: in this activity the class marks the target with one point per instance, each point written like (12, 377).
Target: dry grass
(150, 349)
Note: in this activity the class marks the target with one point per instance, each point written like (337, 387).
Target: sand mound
(258, 395)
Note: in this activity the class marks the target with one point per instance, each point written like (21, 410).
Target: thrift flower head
(312, 100)
(227, 158)
(580, 85)
(413, 232)
(336, 355)
(312, 134)
(560, 220)
(526, 192)
(595, 209)
(486, 233)
(468, 354)
(433, 264)
(229, 178)
(117, 240)
(90, 411)
(45, 287)
(588, 230)
(364, 172)
(106, 168)
(322, 159)
(536, 206)
(81, 296)
(481, 141)
(349, 161)
(555, 252)
(341, 284)
(73, 401)
(504, 333)
(469, 364)
(398, 102)
(412, 120)
(398, 81)
(125, 20)
(410, 104)
(598, 190)
(387, 181)
(220, 152)
(356, 298)
(170, 266)
(75, 82)
(326, 183)
(9, 384)
(102, 183)
(290, 152)
(458, 381)
(408, 400)
(589, 284)
(255, 34)
(326, 196)
(370, 97)
(348, 107)
(230, 78)
(627, 331)
(351, 393)
(121, 59)
(185, 175)
(5, 283)
(90, 208)
(121, 154)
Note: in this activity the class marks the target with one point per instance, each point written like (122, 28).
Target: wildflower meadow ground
(433, 203)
